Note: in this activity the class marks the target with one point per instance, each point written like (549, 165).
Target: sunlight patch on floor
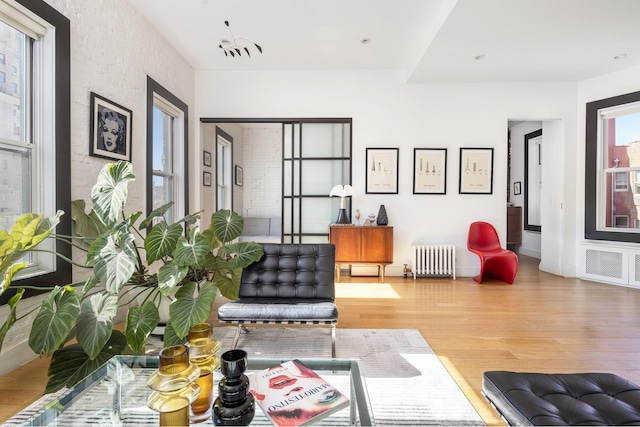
(365, 290)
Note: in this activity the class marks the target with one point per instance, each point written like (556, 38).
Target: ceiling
(429, 40)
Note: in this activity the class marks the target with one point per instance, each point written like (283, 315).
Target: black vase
(235, 405)
(382, 216)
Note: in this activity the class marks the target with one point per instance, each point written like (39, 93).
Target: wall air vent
(604, 263)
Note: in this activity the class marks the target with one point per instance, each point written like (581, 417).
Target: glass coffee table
(116, 395)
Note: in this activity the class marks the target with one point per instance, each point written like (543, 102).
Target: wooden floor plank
(541, 323)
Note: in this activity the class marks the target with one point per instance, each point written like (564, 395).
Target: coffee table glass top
(116, 394)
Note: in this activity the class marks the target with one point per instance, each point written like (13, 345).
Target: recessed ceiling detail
(237, 46)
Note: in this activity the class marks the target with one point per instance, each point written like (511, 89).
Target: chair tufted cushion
(291, 271)
(563, 399)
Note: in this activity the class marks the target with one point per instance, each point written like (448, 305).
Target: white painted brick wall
(112, 51)
(262, 154)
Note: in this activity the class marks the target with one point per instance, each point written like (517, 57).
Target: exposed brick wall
(262, 149)
(112, 51)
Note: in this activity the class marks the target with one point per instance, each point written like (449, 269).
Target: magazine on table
(291, 394)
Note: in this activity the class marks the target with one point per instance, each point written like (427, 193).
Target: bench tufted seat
(290, 284)
(563, 399)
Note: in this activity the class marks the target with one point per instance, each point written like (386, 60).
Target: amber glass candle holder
(202, 349)
(174, 386)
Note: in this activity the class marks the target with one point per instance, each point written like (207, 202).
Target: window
(34, 129)
(621, 181)
(612, 161)
(224, 163)
(621, 221)
(167, 163)
(3, 76)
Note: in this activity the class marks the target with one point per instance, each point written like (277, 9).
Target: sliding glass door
(316, 157)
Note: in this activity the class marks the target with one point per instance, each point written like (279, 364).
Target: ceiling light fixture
(237, 46)
(622, 55)
(480, 57)
(365, 40)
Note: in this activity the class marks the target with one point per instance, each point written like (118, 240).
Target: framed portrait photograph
(517, 188)
(110, 129)
(238, 176)
(206, 158)
(206, 179)
(382, 171)
(476, 171)
(429, 171)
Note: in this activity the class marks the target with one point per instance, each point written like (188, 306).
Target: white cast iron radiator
(433, 260)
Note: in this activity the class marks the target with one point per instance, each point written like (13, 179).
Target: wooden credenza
(514, 225)
(362, 245)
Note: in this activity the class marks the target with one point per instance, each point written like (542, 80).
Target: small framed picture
(206, 179)
(517, 190)
(476, 171)
(238, 177)
(429, 171)
(206, 158)
(382, 171)
(110, 129)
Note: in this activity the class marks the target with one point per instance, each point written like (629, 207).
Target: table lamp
(342, 192)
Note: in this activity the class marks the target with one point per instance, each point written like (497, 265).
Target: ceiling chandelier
(236, 46)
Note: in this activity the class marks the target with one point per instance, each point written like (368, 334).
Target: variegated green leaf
(245, 253)
(169, 275)
(71, 364)
(7, 275)
(226, 225)
(191, 254)
(115, 261)
(156, 213)
(189, 309)
(110, 192)
(141, 321)
(95, 322)
(170, 337)
(162, 240)
(86, 225)
(54, 320)
(11, 317)
(228, 283)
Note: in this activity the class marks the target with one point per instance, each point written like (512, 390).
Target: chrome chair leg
(333, 340)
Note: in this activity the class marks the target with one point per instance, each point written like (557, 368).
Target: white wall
(387, 112)
(112, 52)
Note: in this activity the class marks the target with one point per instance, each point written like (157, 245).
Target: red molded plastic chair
(496, 262)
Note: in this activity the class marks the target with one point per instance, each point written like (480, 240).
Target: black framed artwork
(238, 176)
(110, 129)
(206, 158)
(476, 171)
(382, 171)
(206, 179)
(429, 171)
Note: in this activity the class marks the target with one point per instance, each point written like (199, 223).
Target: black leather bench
(562, 399)
(290, 284)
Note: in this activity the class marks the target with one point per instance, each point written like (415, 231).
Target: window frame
(58, 175)
(181, 129)
(594, 171)
(226, 164)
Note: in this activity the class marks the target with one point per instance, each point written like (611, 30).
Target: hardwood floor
(541, 323)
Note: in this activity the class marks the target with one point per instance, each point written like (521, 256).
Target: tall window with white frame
(167, 118)
(224, 166)
(34, 128)
(613, 166)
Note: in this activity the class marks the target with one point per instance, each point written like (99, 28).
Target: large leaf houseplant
(131, 259)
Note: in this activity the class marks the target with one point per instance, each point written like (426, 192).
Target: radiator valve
(406, 270)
